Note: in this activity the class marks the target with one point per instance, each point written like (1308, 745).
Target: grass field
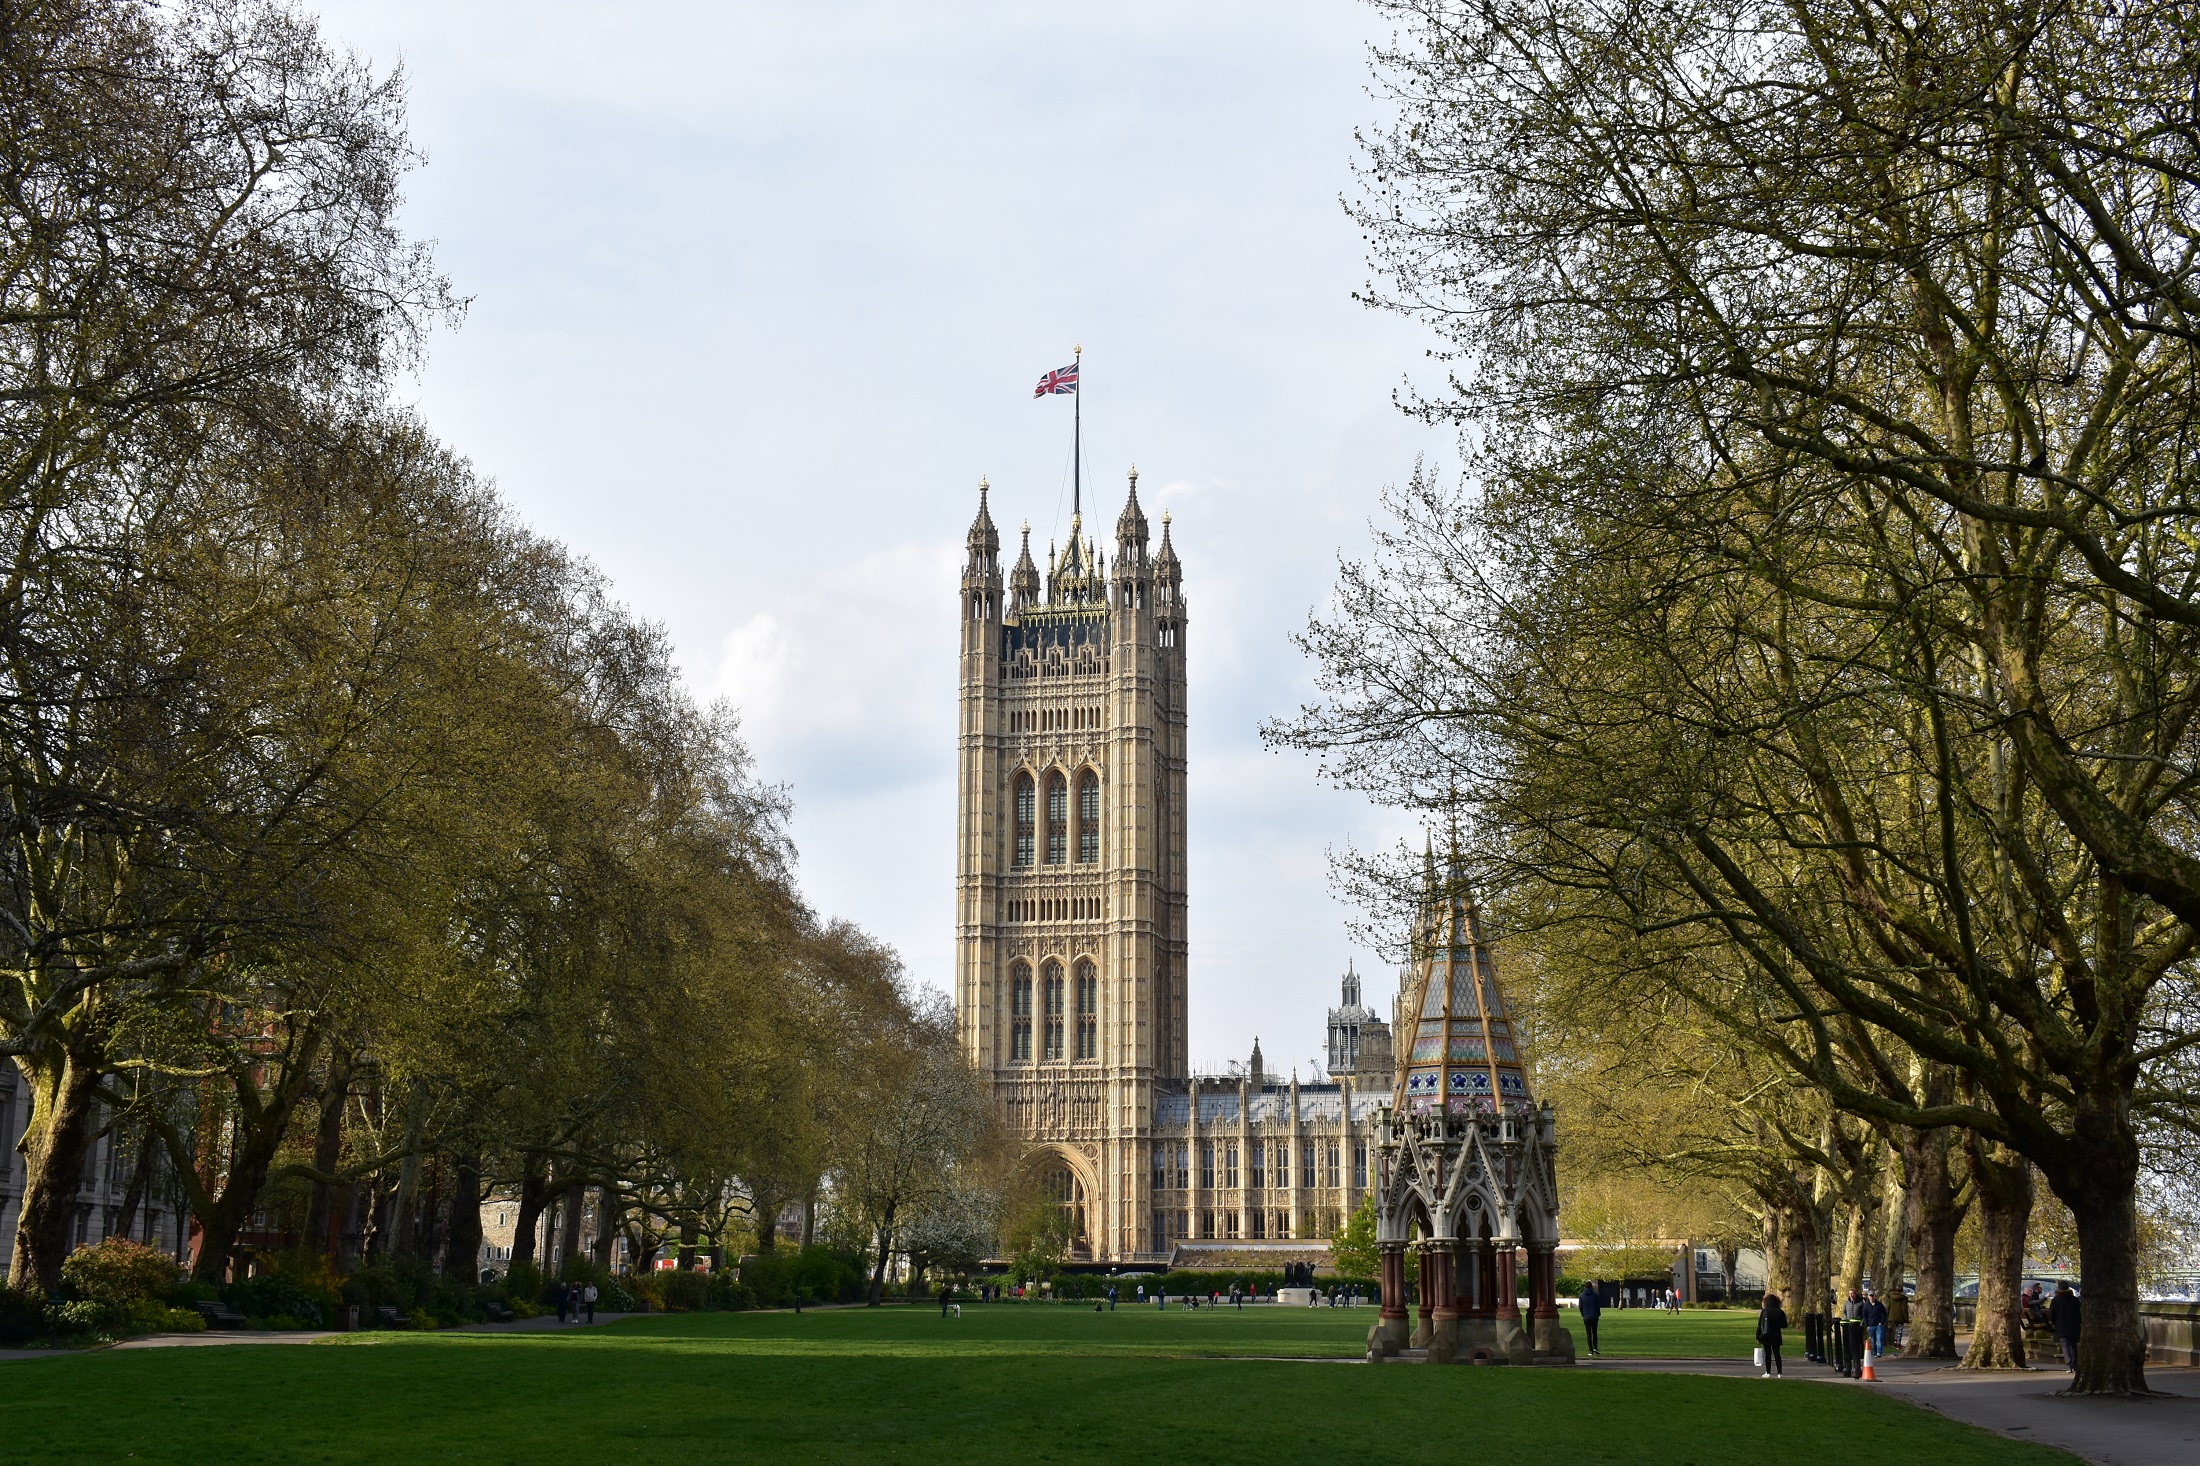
(1005, 1383)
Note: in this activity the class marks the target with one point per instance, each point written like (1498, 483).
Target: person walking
(1772, 1321)
(565, 1302)
(2063, 1316)
(1592, 1309)
(1898, 1315)
(1875, 1322)
(1111, 1297)
(588, 1301)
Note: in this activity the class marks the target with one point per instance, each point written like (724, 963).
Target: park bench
(498, 1313)
(388, 1317)
(221, 1316)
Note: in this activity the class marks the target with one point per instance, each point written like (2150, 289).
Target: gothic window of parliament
(1054, 1011)
(1088, 1012)
(1057, 819)
(1024, 819)
(1019, 1008)
(1088, 818)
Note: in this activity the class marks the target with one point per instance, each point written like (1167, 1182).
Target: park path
(2020, 1404)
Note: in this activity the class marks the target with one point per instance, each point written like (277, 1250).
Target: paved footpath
(2020, 1404)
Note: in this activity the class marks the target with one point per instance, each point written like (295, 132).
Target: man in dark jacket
(1875, 1322)
(1592, 1309)
(2063, 1318)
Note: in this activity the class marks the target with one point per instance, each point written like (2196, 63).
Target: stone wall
(2173, 1332)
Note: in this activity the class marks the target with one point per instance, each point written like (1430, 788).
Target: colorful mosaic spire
(1462, 1055)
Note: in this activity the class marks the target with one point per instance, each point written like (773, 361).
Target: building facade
(1070, 899)
(1070, 917)
(118, 1194)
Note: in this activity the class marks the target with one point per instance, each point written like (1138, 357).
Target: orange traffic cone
(1869, 1355)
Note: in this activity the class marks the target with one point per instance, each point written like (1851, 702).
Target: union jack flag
(1060, 380)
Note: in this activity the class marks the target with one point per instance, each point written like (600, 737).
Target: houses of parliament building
(1072, 964)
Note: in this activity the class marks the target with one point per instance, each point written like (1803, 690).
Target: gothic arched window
(1026, 814)
(1019, 1011)
(1088, 817)
(1053, 984)
(1088, 1011)
(1057, 819)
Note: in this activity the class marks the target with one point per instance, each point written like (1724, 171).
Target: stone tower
(1070, 891)
(1359, 1040)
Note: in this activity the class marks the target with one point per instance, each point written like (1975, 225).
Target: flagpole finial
(1078, 349)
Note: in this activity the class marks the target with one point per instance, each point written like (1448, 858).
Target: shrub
(523, 1280)
(86, 1316)
(152, 1315)
(420, 1318)
(409, 1284)
(271, 1296)
(819, 1274)
(684, 1292)
(22, 1316)
(119, 1271)
(312, 1271)
(1254, 1283)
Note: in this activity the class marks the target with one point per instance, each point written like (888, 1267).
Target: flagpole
(1077, 449)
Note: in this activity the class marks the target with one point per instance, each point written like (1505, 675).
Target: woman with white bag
(1772, 1320)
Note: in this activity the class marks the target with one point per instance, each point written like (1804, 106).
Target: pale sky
(759, 292)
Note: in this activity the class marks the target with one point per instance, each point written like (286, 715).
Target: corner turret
(1130, 532)
(1023, 581)
(981, 579)
(1168, 597)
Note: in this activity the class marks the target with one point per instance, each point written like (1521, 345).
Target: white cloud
(843, 685)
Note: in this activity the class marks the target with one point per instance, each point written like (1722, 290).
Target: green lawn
(1708, 1333)
(1005, 1383)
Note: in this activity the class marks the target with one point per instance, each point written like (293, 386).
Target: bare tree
(1831, 370)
